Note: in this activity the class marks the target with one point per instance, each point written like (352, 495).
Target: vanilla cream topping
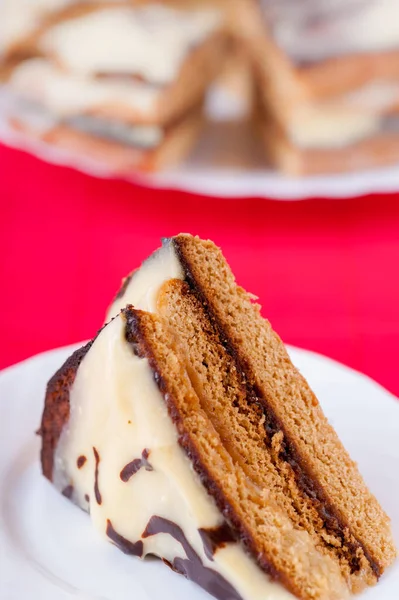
(21, 17)
(330, 126)
(314, 30)
(144, 285)
(151, 40)
(378, 96)
(117, 409)
(67, 94)
(344, 120)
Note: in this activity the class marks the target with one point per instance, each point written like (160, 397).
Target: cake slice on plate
(186, 417)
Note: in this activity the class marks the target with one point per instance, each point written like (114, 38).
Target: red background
(326, 271)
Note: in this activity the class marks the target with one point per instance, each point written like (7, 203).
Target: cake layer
(234, 409)
(378, 148)
(114, 145)
(307, 442)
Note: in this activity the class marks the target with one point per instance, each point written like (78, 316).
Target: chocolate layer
(81, 461)
(56, 410)
(133, 467)
(216, 538)
(127, 547)
(97, 493)
(192, 566)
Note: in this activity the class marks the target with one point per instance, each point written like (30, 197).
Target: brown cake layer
(251, 433)
(120, 157)
(56, 408)
(306, 446)
(286, 554)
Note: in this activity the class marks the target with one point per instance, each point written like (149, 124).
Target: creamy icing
(67, 94)
(144, 284)
(21, 17)
(330, 127)
(313, 30)
(140, 136)
(378, 96)
(150, 40)
(346, 119)
(117, 409)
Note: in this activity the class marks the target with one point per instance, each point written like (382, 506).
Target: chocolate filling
(96, 488)
(134, 549)
(192, 566)
(68, 491)
(310, 488)
(124, 286)
(133, 467)
(216, 538)
(56, 408)
(81, 461)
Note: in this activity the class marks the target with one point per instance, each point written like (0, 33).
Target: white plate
(48, 549)
(227, 162)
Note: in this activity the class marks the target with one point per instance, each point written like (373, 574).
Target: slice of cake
(120, 82)
(326, 72)
(187, 433)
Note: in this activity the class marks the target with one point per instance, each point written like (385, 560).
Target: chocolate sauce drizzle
(133, 467)
(216, 538)
(134, 549)
(96, 488)
(124, 286)
(68, 491)
(81, 461)
(192, 567)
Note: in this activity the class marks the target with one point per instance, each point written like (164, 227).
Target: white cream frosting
(377, 96)
(330, 126)
(150, 40)
(313, 30)
(66, 94)
(21, 17)
(344, 120)
(145, 283)
(117, 408)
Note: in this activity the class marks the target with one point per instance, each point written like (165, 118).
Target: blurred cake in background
(124, 82)
(120, 82)
(327, 76)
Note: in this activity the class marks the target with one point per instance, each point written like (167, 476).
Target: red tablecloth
(326, 271)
